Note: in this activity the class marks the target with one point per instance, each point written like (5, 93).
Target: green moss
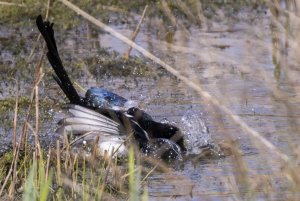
(23, 102)
(107, 64)
(65, 17)
(115, 65)
(5, 162)
(7, 108)
(17, 14)
(24, 162)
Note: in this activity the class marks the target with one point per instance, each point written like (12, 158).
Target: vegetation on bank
(20, 11)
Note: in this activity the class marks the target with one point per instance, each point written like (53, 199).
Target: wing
(81, 120)
(100, 122)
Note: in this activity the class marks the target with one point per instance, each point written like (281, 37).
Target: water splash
(196, 131)
(131, 103)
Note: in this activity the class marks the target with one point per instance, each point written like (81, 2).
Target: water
(234, 62)
(242, 77)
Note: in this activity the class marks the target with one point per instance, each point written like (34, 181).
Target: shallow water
(233, 62)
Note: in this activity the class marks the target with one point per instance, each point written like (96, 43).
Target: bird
(97, 117)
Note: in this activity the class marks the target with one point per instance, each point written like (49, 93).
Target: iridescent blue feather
(99, 98)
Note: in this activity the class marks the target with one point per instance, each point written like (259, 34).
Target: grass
(37, 172)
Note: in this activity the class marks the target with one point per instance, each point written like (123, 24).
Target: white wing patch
(110, 145)
(79, 111)
(81, 120)
(76, 129)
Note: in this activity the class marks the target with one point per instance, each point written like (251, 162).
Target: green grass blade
(46, 187)
(30, 191)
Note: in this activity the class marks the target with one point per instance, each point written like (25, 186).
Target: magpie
(97, 116)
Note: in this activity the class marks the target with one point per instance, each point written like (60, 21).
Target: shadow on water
(248, 62)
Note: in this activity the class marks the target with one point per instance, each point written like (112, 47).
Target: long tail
(60, 76)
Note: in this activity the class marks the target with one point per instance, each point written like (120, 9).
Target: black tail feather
(61, 76)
